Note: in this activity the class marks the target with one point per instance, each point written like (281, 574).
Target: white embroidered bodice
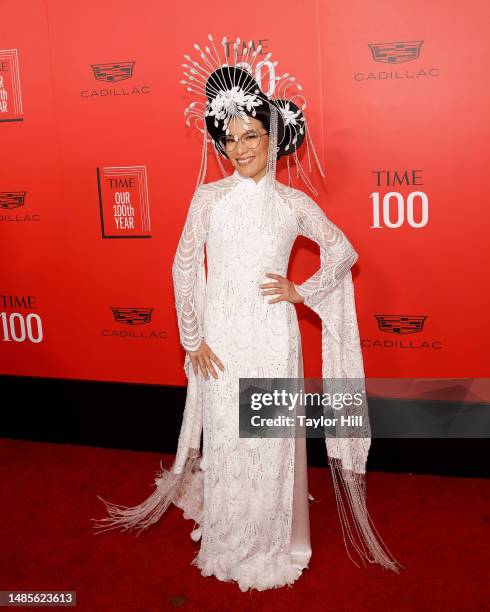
(236, 265)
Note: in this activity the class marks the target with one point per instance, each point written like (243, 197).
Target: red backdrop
(91, 109)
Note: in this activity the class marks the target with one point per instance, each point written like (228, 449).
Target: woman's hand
(203, 359)
(283, 288)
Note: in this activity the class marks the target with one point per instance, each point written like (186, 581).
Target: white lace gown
(254, 525)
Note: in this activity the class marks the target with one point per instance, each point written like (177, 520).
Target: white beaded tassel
(268, 194)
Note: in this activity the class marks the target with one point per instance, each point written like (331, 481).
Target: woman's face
(248, 161)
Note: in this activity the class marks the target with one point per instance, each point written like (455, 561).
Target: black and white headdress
(231, 90)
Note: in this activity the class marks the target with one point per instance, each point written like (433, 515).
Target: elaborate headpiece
(233, 91)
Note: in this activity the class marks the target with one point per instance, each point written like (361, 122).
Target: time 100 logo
(394, 209)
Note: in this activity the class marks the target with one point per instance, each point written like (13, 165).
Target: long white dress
(254, 524)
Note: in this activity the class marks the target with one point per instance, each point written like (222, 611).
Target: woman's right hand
(203, 359)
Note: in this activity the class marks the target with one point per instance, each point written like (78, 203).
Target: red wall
(99, 301)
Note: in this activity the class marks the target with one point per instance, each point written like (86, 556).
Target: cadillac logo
(132, 316)
(12, 200)
(396, 52)
(401, 324)
(113, 72)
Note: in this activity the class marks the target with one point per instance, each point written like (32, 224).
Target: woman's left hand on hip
(282, 288)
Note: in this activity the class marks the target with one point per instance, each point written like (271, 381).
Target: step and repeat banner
(98, 169)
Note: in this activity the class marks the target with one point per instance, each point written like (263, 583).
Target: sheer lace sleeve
(337, 255)
(185, 270)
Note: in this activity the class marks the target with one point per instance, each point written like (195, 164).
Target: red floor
(438, 528)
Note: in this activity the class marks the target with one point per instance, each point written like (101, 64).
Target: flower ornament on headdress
(232, 91)
(231, 104)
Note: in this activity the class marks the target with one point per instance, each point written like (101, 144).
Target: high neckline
(248, 179)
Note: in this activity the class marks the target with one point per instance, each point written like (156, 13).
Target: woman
(249, 496)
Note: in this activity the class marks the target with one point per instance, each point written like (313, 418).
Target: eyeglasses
(250, 139)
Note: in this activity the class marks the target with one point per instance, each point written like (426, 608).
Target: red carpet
(438, 528)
